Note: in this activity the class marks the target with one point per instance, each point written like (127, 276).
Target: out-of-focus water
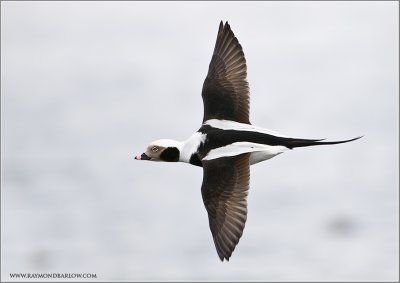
(86, 86)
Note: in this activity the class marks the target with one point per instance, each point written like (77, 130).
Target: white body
(259, 152)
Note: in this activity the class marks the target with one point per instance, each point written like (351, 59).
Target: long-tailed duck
(226, 143)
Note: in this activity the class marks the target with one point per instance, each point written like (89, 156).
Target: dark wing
(224, 190)
(225, 90)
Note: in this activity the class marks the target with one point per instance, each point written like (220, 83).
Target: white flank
(259, 152)
(232, 125)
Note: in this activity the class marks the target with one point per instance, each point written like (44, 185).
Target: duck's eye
(154, 149)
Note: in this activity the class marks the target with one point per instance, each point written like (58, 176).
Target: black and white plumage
(226, 143)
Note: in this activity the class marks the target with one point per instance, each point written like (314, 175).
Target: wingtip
(223, 258)
(222, 25)
(227, 26)
(220, 28)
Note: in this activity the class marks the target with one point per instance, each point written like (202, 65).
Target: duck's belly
(258, 156)
(259, 152)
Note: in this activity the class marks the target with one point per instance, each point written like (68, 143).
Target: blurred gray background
(85, 86)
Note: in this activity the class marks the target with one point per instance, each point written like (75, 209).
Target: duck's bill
(142, 157)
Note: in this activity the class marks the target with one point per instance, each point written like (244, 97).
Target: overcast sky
(85, 86)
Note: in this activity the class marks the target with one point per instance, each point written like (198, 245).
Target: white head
(162, 150)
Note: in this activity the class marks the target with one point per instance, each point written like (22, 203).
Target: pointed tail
(292, 143)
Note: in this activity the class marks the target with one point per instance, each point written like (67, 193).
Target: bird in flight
(226, 143)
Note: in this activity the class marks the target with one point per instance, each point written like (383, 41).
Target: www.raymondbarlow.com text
(53, 275)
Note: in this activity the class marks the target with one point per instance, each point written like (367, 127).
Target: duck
(227, 144)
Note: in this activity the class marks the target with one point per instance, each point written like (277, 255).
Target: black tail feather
(292, 143)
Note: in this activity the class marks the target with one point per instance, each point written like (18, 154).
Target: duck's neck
(190, 146)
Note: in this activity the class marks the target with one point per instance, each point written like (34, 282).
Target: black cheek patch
(170, 154)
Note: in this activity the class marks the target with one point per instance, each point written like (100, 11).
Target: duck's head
(161, 150)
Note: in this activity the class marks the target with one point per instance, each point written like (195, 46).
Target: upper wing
(224, 190)
(225, 89)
